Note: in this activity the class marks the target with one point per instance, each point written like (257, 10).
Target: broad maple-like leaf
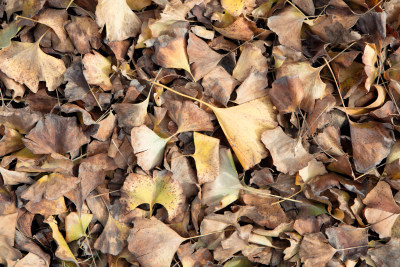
(206, 156)
(120, 20)
(161, 188)
(157, 251)
(28, 64)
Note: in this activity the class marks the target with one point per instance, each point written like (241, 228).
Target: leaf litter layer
(199, 133)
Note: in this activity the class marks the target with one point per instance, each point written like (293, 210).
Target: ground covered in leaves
(200, 133)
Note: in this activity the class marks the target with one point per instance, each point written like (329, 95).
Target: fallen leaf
(310, 79)
(148, 147)
(120, 20)
(371, 142)
(288, 154)
(47, 207)
(76, 225)
(15, 177)
(253, 87)
(287, 93)
(51, 187)
(369, 58)
(63, 252)
(97, 70)
(234, 7)
(14, 61)
(113, 239)
(278, 23)
(225, 188)
(162, 189)
(251, 59)
(206, 156)
(31, 259)
(7, 33)
(48, 136)
(164, 242)
(131, 115)
(315, 250)
(84, 34)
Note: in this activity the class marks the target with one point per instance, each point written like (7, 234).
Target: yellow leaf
(162, 189)
(234, 7)
(75, 226)
(26, 63)
(63, 251)
(138, 4)
(243, 126)
(206, 157)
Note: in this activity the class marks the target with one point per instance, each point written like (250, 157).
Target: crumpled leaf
(49, 136)
(206, 156)
(188, 116)
(120, 20)
(371, 142)
(201, 57)
(113, 239)
(97, 70)
(288, 154)
(26, 63)
(50, 186)
(315, 250)
(162, 189)
(288, 36)
(310, 79)
(148, 147)
(164, 242)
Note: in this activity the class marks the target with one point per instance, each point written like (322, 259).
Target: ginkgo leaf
(157, 251)
(188, 116)
(243, 126)
(310, 79)
(234, 7)
(170, 52)
(51, 187)
(26, 63)
(15, 177)
(251, 59)
(288, 154)
(225, 188)
(47, 207)
(131, 115)
(113, 239)
(206, 157)
(162, 189)
(288, 36)
(369, 58)
(120, 20)
(63, 251)
(148, 147)
(97, 70)
(75, 225)
(7, 33)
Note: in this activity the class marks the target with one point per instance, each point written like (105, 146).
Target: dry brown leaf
(84, 34)
(26, 63)
(279, 24)
(287, 93)
(288, 154)
(252, 87)
(371, 142)
(97, 70)
(49, 136)
(164, 242)
(202, 58)
(315, 250)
